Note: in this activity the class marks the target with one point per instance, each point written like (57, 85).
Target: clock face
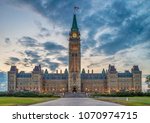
(74, 35)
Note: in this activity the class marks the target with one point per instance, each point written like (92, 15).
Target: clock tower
(74, 81)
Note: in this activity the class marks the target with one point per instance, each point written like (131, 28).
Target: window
(74, 54)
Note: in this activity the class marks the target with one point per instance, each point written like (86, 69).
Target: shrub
(122, 94)
(26, 94)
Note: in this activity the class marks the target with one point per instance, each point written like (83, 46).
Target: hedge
(122, 94)
(26, 94)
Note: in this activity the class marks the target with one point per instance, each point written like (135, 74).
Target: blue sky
(3, 80)
(112, 32)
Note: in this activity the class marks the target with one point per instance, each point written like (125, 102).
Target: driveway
(76, 102)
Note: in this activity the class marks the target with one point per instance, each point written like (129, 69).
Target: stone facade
(108, 81)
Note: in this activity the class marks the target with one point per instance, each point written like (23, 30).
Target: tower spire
(74, 23)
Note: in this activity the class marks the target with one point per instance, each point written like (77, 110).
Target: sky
(3, 81)
(113, 32)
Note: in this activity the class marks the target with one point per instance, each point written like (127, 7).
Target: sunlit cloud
(112, 32)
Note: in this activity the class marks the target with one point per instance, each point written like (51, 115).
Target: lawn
(129, 101)
(14, 101)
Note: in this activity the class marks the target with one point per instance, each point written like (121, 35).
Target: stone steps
(75, 95)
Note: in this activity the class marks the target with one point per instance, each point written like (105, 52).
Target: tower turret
(12, 78)
(112, 79)
(136, 78)
(37, 77)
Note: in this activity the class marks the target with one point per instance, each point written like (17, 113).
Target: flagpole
(75, 9)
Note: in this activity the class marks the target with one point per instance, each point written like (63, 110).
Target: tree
(148, 80)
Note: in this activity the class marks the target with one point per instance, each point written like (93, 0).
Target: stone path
(76, 102)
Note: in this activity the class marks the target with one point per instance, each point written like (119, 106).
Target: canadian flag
(76, 7)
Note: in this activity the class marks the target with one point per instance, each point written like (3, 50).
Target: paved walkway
(76, 102)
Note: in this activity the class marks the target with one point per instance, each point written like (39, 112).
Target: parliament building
(74, 79)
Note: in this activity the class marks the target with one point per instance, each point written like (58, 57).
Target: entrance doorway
(74, 90)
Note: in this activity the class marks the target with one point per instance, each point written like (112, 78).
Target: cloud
(28, 41)
(20, 53)
(7, 40)
(12, 60)
(132, 29)
(63, 59)
(53, 47)
(134, 56)
(109, 27)
(52, 65)
(35, 61)
(130, 18)
(26, 60)
(51, 9)
(106, 60)
(32, 54)
(93, 64)
(3, 77)
(32, 58)
(44, 32)
(7, 63)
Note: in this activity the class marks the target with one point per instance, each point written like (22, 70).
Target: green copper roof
(103, 72)
(83, 70)
(46, 71)
(66, 71)
(74, 24)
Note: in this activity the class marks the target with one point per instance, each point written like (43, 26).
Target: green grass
(132, 101)
(14, 101)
